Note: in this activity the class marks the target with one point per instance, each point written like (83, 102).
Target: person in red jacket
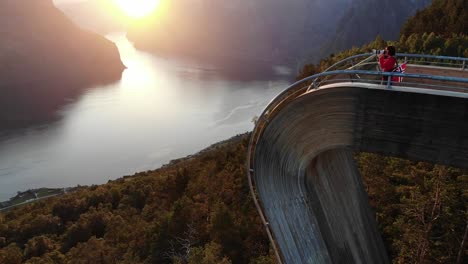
(387, 60)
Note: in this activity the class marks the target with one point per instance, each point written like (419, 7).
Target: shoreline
(33, 195)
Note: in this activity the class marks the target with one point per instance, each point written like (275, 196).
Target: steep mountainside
(443, 17)
(45, 58)
(269, 31)
(366, 19)
(199, 210)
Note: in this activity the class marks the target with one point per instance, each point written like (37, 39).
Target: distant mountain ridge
(40, 41)
(272, 31)
(46, 58)
(198, 209)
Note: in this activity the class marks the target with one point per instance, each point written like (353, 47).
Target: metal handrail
(370, 56)
(464, 61)
(348, 59)
(389, 75)
(294, 92)
(432, 57)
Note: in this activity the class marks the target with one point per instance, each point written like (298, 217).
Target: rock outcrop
(45, 58)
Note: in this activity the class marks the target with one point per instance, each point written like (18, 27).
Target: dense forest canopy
(199, 209)
(196, 210)
(442, 17)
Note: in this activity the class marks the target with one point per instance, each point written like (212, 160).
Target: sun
(137, 8)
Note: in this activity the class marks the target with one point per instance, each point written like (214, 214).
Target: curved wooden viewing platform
(300, 158)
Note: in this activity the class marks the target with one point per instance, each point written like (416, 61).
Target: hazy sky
(58, 2)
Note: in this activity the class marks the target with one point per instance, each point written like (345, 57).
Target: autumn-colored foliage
(195, 210)
(199, 209)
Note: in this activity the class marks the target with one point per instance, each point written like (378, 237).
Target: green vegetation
(196, 210)
(442, 17)
(440, 29)
(425, 43)
(199, 209)
(421, 208)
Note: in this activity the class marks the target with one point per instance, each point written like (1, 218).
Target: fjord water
(162, 108)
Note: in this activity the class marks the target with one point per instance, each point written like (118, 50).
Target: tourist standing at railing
(387, 60)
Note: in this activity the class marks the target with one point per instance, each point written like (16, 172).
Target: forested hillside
(196, 210)
(199, 209)
(421, 208)
(443, 17)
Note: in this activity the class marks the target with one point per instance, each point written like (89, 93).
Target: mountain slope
(273, 31)
(268, 31)
(45, 58)
(199, 210)
(366, 19)
(196, 210)
(443, 17)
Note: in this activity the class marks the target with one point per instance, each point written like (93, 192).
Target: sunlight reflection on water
(161, 109)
